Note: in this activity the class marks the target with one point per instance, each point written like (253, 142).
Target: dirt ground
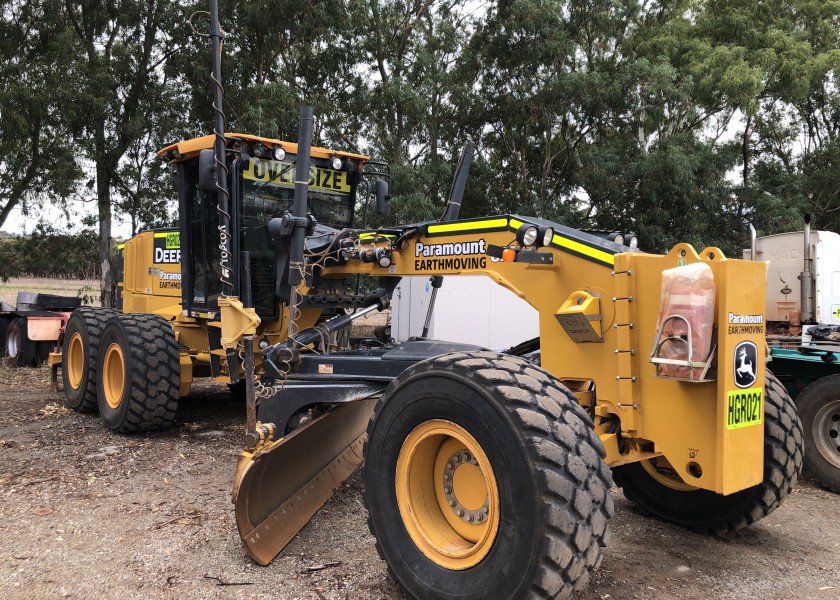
(88, 514)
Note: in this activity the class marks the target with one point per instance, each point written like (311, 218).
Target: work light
(527, 235)
(546, 235)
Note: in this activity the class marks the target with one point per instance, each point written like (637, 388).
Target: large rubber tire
(819, 409)
(4, 326)
(139, 373)
(706, 512)
(80, 354)
(513, 428)
(20, 350)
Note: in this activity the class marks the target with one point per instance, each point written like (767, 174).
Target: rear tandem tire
(43, 352)
(4, 326)
(706, 512)
(139, 373)
(819, 409)
(80, 355)
(20, 350)
(501, 490)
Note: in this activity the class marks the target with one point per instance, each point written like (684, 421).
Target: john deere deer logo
(745, 364)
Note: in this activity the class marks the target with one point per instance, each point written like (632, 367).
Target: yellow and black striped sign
(281, 173)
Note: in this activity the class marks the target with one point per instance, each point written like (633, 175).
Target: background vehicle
(486, 475)
(803, 291)
(30, 328)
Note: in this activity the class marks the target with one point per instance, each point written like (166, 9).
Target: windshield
(269, 191)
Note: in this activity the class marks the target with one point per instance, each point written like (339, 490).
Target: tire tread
(155, 376)
(93, 321)
(552, 429)
(782, 466)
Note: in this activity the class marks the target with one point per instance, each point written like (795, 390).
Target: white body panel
(468, 309)
(785, 253)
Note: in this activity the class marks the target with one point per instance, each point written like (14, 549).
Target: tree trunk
(103, 203)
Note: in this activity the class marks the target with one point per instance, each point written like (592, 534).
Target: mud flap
(278, 489)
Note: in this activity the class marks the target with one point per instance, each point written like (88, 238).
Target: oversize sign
(280, 173)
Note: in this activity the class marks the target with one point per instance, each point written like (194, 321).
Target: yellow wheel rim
(113, 375)
(447, 494)
(664, 473)
(75, 360)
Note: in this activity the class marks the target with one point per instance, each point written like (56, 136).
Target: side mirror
(383, 198)
(207, 176)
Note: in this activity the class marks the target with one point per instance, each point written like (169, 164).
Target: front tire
(484, 479)
(657, 491)
(139, 373)
(819, 409)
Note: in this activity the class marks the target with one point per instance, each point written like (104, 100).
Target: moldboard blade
(279, 488)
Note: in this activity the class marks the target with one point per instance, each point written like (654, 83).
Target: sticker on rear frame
(744, 408)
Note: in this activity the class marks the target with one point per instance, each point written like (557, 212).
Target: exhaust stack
(806, 278)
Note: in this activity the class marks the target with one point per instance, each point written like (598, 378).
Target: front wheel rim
(113, 375)
(447, 494)
(826, 432)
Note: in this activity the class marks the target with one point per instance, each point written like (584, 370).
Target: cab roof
(190, 148)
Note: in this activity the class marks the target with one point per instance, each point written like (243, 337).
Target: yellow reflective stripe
(472, 226)
(163, 235)
(563, 242)
(589, 251)
(373, 236)
(121, 246)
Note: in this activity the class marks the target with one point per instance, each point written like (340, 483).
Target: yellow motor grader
(487, 474)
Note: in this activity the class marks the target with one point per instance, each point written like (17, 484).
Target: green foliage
(37, 160)
(50, 253)
(681, 120)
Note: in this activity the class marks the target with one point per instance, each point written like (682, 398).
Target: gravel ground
(88, 514)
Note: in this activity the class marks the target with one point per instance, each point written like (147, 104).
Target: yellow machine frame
(683, 421)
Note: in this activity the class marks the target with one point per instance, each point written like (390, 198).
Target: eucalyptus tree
(37, 163)
(800, 148)
(119, 53)
(415, 98)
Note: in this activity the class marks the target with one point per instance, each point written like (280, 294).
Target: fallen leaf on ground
(53, 409)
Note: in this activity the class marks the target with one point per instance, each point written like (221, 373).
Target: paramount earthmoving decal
(450, 257)
(745, 324)
(169, 280)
